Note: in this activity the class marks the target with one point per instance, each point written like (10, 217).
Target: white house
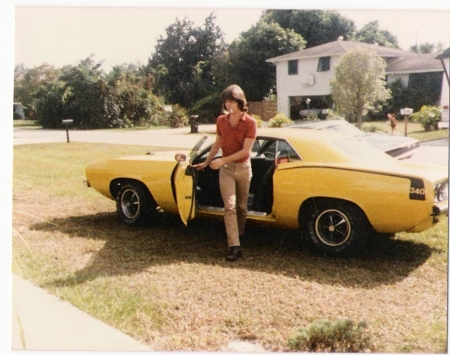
(445, 96)
(306, 74)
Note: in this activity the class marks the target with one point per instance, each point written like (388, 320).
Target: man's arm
(244, 152)
(212, 153)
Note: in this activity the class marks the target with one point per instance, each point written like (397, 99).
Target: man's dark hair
(235, 93)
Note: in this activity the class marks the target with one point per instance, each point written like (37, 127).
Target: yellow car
(336, 190)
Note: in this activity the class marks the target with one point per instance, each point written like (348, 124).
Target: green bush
(370, 128)
(324, 336)
(428, 117)
(49, 105)
(280, 120)
(259, 120)
(177, 117)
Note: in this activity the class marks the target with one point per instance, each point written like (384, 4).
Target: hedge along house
(303, 77)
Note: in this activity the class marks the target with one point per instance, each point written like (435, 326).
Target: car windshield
(347, 129)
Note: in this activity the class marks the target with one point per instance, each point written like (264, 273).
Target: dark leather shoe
(235, 253)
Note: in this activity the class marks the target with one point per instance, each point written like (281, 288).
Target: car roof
(310, 144)
(288, 133)
(315, 145)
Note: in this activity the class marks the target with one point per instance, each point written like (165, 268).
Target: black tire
(134, 204)
(335, 227)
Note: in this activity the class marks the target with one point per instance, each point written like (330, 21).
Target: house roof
(414, 63)
(398, 61)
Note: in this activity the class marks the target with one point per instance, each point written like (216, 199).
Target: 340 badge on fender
(417, 189)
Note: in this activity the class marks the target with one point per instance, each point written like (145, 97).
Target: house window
(324, 64)
(293, 67)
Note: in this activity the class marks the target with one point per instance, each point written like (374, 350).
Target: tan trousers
(234, 180)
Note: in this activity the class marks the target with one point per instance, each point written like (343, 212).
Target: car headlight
(441, 191)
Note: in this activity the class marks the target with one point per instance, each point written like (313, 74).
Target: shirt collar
(242, 118)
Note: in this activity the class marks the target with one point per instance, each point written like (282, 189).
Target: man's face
(231, 106)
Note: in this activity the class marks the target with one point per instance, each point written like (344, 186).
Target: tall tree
(315, 26)
(48, 104)
(130, 87)
(248, 55)
(427, 48)
(371, 33)
(183, 61)
(359, 84)
(87, 98)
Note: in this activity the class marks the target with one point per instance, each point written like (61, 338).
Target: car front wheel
(335, 227)
(134, 204)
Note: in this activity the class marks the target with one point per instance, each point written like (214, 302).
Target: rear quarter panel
(385, 198)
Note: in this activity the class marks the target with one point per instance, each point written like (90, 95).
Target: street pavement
(432, 152)
(177, 137)
(41, 321)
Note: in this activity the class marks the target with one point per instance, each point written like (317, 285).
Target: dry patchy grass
(169, 287)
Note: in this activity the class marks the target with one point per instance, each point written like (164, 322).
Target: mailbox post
(66, 124)
(194, 125)
(406, 112)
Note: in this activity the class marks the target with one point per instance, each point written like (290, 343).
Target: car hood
(113, 163)
(170, 155)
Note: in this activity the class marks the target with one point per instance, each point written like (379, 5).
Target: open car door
(185, 184)
(184, 179)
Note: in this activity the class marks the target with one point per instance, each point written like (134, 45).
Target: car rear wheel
(134, 204)
(335, 227)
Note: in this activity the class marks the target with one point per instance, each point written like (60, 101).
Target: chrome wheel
(130, 203)
(333, 227)
(134, 204)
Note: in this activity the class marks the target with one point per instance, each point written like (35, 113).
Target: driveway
(432, 152)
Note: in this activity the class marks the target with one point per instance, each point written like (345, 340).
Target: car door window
(276, 148)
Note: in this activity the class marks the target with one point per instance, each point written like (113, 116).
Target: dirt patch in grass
(169, 286)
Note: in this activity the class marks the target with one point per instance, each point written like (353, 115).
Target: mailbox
(66, 124)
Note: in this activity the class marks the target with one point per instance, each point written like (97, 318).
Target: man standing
(235, 135)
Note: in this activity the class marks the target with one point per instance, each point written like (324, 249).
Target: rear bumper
(440, 208)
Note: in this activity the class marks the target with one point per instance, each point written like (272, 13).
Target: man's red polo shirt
(232, 138)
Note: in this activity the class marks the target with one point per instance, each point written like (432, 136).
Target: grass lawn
(414, 130)
(28, 124)
(169, 287)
